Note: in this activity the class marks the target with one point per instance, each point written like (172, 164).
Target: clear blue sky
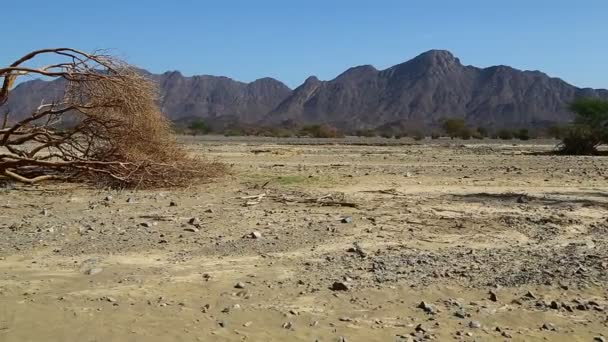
(290, 40)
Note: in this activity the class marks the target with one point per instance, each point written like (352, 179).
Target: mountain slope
(182, 98)
(427, 88)
(418, 93)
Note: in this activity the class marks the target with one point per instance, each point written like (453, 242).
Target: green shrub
(199, 127)
(590, 129)
(505, 134)
(522, 134)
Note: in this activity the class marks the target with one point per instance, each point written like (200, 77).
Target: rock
(549, 327)
(421, 328)
(599, 339)
(530, 295)
(340, 286)
(347, 219)
(474, 324)
(342, 339)
(358, 250)
(146, 224)
(130, 200)
(345, 319)
(255, 235)
(239, 285)
(194, 221)
(44, 212)
(287, 325)
(209, 211)
(522, 199)
(221, 324)
(173, 204)
(493, 296)
(428, 308)
(460, 314)
(108, 198)
(191, 229)
(247, 324)
(554, 305)
(110, 299)
(93, 271)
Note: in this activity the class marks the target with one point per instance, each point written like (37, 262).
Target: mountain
(183, 99)
(417, 93)
(428, 88)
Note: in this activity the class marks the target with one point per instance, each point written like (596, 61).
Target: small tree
(199, 127)
(453, 127)
(505, 134)
(590, 128)
(482, 131)
(522, 134)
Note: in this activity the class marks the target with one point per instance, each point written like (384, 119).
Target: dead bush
(106, 129)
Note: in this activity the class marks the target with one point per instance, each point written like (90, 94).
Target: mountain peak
(437, 58)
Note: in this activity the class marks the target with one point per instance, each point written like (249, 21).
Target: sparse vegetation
(199, 127)
(505, 134)
(321, 131)
(590, 128)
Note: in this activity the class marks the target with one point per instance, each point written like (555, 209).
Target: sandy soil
(318, 242)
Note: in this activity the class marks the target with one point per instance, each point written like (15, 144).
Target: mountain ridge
(421, 91)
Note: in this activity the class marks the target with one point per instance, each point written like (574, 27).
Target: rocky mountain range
(417, 93)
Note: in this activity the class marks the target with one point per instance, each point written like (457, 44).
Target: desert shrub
(505, 134)
(590, 128)
(199, 127)
(418, 136)
(522, 134)
(321, 131)
(117, 136)
(365, 133)
(482, 132)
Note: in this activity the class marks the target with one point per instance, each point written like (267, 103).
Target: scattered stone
(474, 324)
(347, 219)
(460, 314)
(247, 324)
(345, 319)
(146, 224)
(130, 200)
(173, 204)
(239, 285)
(255, 235)
(428, 308)
(108, 198)
(221, 324)
(599, 339)
(530, 295)
(421, 328)
(191, 229)
(194, 221)
(340, 286)
(554, 305)
(93, 271)
(493, 296)
(522, 199)
(287, 325)
(549, 327)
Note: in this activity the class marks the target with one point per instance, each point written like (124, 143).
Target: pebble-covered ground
(316, 241)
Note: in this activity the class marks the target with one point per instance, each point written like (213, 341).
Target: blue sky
(290, 40)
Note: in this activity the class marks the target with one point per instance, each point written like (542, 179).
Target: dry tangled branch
(106, 129)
